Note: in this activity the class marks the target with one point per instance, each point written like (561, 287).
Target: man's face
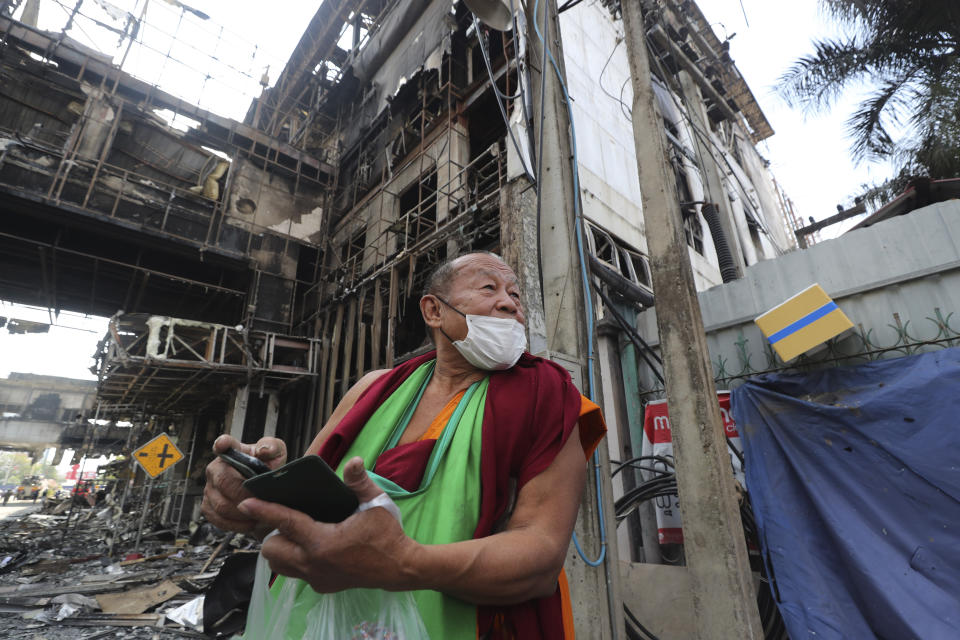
(482, 285)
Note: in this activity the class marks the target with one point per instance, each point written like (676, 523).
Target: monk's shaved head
(441, 280)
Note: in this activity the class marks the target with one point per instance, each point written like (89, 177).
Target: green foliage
(14, 467)
(908, 51)
(48, 471)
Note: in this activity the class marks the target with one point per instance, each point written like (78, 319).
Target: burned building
(255, 268)
(382, 147)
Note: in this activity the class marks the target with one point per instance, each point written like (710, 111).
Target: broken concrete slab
(138, 600)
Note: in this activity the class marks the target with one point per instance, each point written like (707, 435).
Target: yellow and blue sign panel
(803, 322)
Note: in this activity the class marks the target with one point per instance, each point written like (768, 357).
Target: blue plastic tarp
(854, 476)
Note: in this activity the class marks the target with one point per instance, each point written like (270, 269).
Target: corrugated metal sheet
(891, 279)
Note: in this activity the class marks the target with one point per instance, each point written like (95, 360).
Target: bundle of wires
(662, 482)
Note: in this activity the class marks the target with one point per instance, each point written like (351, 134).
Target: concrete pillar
(724, 598)
(31, 13)
(273, 410)
(557, 325)
(712, 171)
(237, 413)
(518, 244)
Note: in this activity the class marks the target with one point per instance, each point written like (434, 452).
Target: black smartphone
(309, 485)
(248, 466)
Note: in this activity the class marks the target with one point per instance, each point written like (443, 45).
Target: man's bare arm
(523, 561)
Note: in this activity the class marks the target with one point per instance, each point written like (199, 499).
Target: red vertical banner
(658, 441)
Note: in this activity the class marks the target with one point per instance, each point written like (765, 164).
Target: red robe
(529, 413)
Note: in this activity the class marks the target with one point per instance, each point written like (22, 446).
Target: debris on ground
(106, 572)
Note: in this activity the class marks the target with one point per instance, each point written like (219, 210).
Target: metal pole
(186, 476)
(143, 514)
(132, 470)
(83, 464)
(724, 601)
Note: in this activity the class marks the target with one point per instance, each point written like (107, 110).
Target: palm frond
(910, 53)
(814, 81)
(871, 139)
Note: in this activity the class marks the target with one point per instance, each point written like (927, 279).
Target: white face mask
(492, 344)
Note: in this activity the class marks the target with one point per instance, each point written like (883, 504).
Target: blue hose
(578, 222)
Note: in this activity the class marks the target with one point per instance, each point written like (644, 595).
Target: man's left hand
(368, 549)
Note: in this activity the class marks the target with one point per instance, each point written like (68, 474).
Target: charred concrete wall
(47, 398)
(38, 411)
(115, 208)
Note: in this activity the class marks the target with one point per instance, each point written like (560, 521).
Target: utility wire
(697, 131)
(578, 229)
(636, 623)
(543, 93)
(634, 337)
(497, 94)
(570, 4)
(623, 107)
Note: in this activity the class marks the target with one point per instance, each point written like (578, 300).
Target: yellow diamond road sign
(158, 455)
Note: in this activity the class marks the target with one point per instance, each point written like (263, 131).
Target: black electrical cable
(570, 4)
(633, 619)
(767, 598)
(631, 462)
(503, 111)
(626, 325)
(543, 93)
(639, 467)
(489, 62)
(631, 633)
(702, 135)
(623, 107)
(634, 337)
(736, 452)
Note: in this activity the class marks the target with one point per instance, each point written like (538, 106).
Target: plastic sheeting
(854, 475)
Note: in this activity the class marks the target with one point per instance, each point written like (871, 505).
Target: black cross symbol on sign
(163, 455)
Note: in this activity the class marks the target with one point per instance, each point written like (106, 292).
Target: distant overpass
(36, 435)
(37, 412)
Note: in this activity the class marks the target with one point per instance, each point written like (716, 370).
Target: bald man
(479, 444)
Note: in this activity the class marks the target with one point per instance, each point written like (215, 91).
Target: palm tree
(909, 51)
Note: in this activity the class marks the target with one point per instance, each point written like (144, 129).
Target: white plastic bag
(354, 614)
(362, 614)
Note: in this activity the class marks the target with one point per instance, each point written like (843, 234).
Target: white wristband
(382, 500)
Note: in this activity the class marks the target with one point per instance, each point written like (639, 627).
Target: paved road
(15, 507)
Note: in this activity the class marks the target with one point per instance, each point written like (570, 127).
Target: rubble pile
(103, 572)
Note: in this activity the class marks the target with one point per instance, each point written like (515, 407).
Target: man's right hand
(224, 489)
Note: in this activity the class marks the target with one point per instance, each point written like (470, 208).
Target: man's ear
(430, 310)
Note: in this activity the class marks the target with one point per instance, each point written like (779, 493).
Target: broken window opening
(351, 255)
(418, 210)
(618, 255)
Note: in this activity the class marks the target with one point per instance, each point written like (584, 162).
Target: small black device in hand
(248, 466)
(307, 484)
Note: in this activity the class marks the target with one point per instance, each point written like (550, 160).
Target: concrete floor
(17, 507)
